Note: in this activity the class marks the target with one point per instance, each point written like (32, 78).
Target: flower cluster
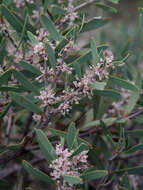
(63, 101)
(65, 165)
(20, 3)
(71, 14)
(95, 73)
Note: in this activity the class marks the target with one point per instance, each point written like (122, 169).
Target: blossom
(65, 165)
(36, 117)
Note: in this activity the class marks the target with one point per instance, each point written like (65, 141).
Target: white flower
(63, 165)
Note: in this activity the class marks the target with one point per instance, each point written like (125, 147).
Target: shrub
(86, 98)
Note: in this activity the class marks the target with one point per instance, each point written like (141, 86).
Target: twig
(9, 126)
(45, 76)
(83, 5)
(135, 114)
(27, 126)
(98, 129)
(7, 34)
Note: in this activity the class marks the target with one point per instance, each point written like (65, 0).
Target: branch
(9, 126)
(83, 5)
(135, 114)
(27, 126)
(98, 129)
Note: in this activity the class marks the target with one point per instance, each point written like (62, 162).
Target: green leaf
(36, 173)
(51, 56)
(63, 42)
(126, 182)
(98, 85)
(45, 146)
(5, 110)
(71, 136)
(122, 83)
(132, 102)
(106, 8)
(94, 175)
(123, 188)
(108, 122)
(2, 50)
(77, 68)
(50, 27)
(12, 19)
(95, 55)
(64, 135)
(82, 147)
(11, 89)
(25, 102)
(24, 82)
(131, 171)
(94, 23)
(47, 4)
(29, 67)
(5, 76)
(135, 148)
(32, 38)
(57, 10)
(136, 133)
(114, 1)
(83, 58)
(108, 93)
(58, 132)
(110, 140)
(105, 151)
(140, 9)
(72, 179)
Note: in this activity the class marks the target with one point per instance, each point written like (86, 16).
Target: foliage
(72, 109)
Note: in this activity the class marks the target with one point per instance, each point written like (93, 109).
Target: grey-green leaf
(49, 25)
(37, 173)
(45, 146)
(94, 175)
(25, 102)
(72, 179)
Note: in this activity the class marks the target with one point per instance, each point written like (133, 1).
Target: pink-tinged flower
(36, 117)
(63, 165)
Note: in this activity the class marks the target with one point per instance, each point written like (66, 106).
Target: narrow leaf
(24, 82)
(32, 38)
(106, 8)
(71, 136)
(36, 173)
(25, 102)
(12, 19)
(95, 56)
(94, 175)
(94, 23)
(135, 148)
(72, 179)
(122, 83)
(45, 146)
(49, 25)
(29, 67)
(51, 55)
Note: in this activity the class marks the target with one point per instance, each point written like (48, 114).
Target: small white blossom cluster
(95, 73)
(39, 48)
(63, 165)
(71, 15)
(20, 3)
